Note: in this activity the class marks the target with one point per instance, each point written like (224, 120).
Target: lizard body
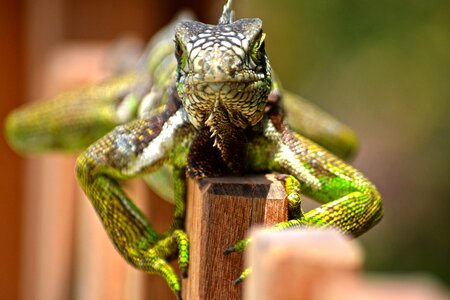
(212, 109)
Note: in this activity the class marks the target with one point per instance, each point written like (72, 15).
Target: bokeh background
(382, 66)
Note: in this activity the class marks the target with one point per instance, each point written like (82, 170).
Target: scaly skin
(224, 113)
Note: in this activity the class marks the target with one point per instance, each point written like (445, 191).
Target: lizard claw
(238, 247)
(237, 281)
(229, 250)
(243, 276)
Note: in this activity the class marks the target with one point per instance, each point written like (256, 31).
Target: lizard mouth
(242, 77)
(240, 103)
(238, 88)
(236, 99)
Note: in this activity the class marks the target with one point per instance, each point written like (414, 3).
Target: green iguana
(202, 102)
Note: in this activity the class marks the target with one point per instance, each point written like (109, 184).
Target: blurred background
(381, 66)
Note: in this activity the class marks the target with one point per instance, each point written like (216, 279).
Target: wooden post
(297, 264)
(313, 264)
(219, 213)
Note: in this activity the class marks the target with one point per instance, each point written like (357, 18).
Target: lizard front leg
(350, 202)
(130, 151)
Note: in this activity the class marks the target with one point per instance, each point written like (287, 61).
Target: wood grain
(219, 213)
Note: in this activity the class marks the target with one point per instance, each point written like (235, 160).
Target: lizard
(202, 102)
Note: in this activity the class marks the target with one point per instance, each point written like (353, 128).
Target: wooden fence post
(219, 213)
(313, 264)
(296, 264)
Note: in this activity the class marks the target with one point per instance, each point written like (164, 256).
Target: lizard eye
(180, 54)
(258, 49)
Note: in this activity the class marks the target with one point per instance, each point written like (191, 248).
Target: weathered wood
(297, 264)
(219, 213)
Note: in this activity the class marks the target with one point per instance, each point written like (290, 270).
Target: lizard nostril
(220, 68)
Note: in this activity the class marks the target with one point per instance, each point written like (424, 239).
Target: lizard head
(223, 74)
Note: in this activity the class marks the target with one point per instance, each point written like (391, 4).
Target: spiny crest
(227, 16)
